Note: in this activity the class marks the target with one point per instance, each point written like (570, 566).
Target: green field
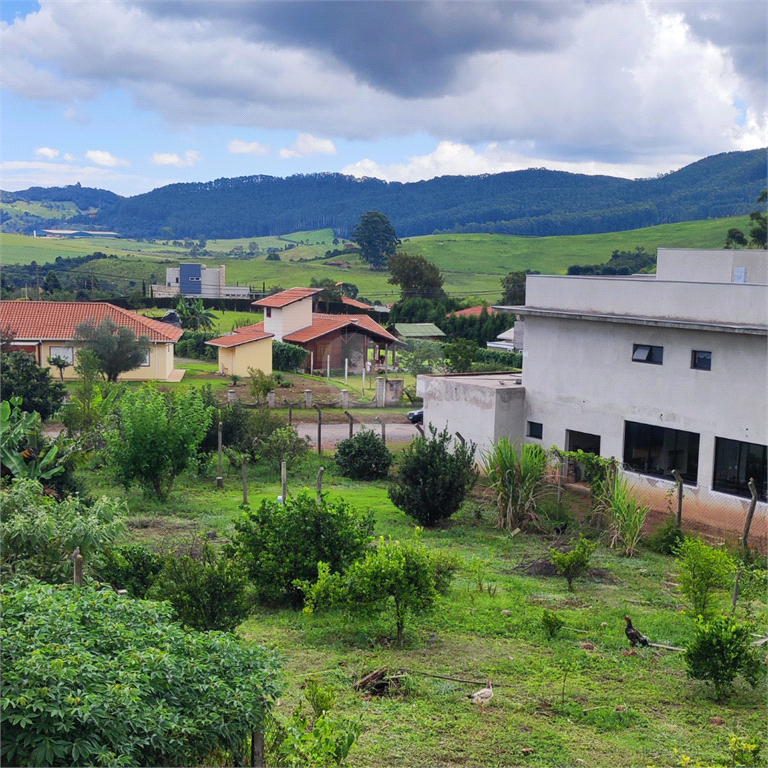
(472, 264)
(20, 208)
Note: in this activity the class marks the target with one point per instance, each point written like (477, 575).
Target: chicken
(483, 696)
(633, 635)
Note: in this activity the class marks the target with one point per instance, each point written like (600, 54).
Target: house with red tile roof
(48, 329)
(472, 311)
(288, 317)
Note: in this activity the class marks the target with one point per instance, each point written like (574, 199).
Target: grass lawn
(611, 709)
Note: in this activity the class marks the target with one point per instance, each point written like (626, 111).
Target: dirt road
(333, 433)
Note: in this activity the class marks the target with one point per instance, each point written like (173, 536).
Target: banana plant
(19, 429)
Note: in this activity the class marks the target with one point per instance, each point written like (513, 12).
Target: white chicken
(483, 696)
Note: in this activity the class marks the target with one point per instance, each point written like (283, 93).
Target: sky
(130, 95)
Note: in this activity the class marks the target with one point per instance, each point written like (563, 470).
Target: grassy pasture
(472, 264)
(611, 709)
(18, 208)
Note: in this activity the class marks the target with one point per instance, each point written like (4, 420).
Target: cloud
(76, 116)
(69, 158)
(238, 147)
(307, 144)
(604, 82)
(190, 158)
(47, 152)
(100, 157)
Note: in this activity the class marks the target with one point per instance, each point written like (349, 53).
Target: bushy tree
(193, 315)
(132, 567)
(513, 287)
(758, 235)
(702, 570)
(574, 564)
(363, 457)
(287, 357)
(157, 435)
(91, 678)
(40, 534)
(24, 378)
(422, 357)
(460, 355)
(116, 346)
(58, 362)
(432, 480)
(720, 651)
(416, 276)
(279, 543)
(207, 591)
(376, 238)
(404, 578)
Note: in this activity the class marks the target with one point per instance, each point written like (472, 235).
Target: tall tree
(758, 233)
(514, 289)
(416, 276)
(376, 238)
(117, 347)
(24, 378)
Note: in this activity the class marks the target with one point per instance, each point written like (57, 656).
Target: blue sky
(129, 95)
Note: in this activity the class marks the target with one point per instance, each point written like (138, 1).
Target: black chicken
(633, 635)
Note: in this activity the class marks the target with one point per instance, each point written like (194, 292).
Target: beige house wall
(253, 354)
(285, 320)
(159, 369)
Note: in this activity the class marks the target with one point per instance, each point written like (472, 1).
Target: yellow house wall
(237, 360)
(159, 368)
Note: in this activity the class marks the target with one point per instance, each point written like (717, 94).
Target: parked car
(415, 417)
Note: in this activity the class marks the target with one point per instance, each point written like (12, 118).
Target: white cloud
(100, 157)
(238, 147)
(69, 158)
(47, 152)
(190, 158)
(307, 144)
(76, 116)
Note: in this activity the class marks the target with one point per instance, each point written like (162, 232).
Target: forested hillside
(534, 202)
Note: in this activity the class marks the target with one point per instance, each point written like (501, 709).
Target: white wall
(715, 266)
(285, 320)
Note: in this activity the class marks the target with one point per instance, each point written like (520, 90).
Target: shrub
(132, 567)
(497, 360)
(280, 543)
(627, 518)
(431, 481)
(574, 564)
(283, 444)
(551, 622)
(403, 577)
(702, 570)
(363, 457)
(39, 534)
(157, 436)
(192, 344)
(287, 357)
(38, 390)
(273, 257)
(90, 678)
(667, 538)
(518, 478)
(260, 383)
(208, 591)
(720, 651)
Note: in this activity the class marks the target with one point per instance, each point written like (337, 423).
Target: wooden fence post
(245, 482)
(220, 478)
(290, 411)
(383, 431)
(78, 570)
(679, 481)
(750, 513)
(351, 423)
(257, 749)
(319, 430)
(283, 480)
(320, 484)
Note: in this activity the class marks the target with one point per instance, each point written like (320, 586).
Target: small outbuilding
(244, 348)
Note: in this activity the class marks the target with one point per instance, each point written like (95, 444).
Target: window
(645, 353)
(194, 279)
(146, 358)
(655, 450)
(66, 352)
(735, 463)
(269, 311)
(701, 360)
(535, 429)
(177, 279)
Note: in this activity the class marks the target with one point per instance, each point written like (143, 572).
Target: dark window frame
(699, 362)
(534, 427)
(268, 312)
(654, 354)
(733, 479)
(650, 449)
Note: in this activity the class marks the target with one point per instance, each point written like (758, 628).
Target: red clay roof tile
(284, 298)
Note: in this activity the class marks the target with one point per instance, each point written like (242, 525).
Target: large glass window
(656, 450)
(735, 463)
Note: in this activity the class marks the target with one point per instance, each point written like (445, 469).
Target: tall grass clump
(627, 518)
(517, 475)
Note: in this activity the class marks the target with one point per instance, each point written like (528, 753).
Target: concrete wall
(285, 320)
(254, 354)
(579, 376)
(642, 297)
(482, 408)
(715, 266)
(160, 361)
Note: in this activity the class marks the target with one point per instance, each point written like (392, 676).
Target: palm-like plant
(193, 315)
(518, 478)
(627, 518)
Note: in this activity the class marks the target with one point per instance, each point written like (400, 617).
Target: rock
(507, 613)
(527, 750)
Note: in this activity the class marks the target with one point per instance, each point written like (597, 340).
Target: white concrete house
(661, 372)
(199, 281)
